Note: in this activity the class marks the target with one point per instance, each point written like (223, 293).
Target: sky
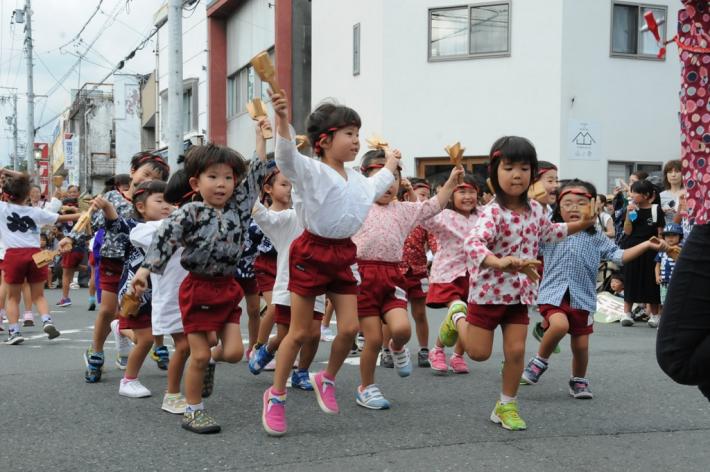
(119, 25)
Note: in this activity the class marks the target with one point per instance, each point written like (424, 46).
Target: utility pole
(175, 135)
(29, 154)
(12, 122)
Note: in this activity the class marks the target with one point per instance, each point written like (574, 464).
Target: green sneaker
(200, 422)
(507, 416)
(448, 335)
(538, 333)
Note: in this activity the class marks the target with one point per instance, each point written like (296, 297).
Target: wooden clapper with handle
(43, 258)
(455, 152)
(257, 111)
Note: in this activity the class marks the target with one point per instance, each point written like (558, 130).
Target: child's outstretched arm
(447, 190)
(637, 251)
(281, 106)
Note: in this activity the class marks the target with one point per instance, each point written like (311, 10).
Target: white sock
(504, 399)
(543, 359)
(199, 406)
(457, 316)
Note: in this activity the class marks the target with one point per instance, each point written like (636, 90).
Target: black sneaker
(386, 359)
(639, 314)
(423, 358)
(50, 330)
(579, 388)
(207, 383)
(354, 350)
(200, 422)
(15, 338)
(94, 365)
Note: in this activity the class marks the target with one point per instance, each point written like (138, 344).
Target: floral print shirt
(450, 228)
(414, 254)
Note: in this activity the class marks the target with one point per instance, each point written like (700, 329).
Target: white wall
(634, 101)
(127, 120)
(250, 30)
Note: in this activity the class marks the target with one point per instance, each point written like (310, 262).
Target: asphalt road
(638, 421)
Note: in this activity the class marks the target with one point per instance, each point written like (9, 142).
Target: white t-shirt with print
(20, 225)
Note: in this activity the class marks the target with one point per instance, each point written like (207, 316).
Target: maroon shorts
(440, 295)
(110, 274)
(72, 259)
(416, 285)
(282, 315)
(265, 270)
(580, 321)
(491, 316)
(319, 265)
(141, 321)
(381, 288)
(19, 266)
(92, 262)
(209, 303)
(248, 286)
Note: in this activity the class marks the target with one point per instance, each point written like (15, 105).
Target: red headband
(543, 171)
(187, 196)
(421, 185)
(574, 191)
(140, 191)
(270, 176)
(153, 158)
(466, 186)
(317, 146)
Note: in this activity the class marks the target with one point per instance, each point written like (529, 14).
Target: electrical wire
(77, 36)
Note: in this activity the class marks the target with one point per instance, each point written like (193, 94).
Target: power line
(76, 36)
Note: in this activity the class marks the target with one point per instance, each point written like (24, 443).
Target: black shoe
(386, 359)
(423, 358)
(207, 383)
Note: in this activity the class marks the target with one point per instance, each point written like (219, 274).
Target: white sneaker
(402, 361)
(627, 320)
(123, 344)
(133, 389)
(326, 335)
(271, 366)
(653, 321)
(174, 403)
(74, 286)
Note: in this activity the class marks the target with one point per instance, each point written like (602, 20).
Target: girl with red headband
(332, 202)
(548, 180)
(144, 166)
(448, 281)
(382, 299)
(502, 244)
(567, 297)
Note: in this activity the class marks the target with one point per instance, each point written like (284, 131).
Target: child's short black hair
(575, 183)
(17, 188)
(645, 188)
(543, 167)
(157, 163)
(617, 276)
(115, 181)
(327, 118)
(418, 182)
(512, 149)
(145, 190)
(468, 179)
(178, 190)
(199, 158)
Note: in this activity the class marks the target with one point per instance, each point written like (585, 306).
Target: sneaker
(248, 354)
(271, 366)
(402, 361)
(386, 359)
(371, 397)
(301, 380)
(133, 389)
(174, 403)
(92, 303)
(353, 350)
(94, 363)
(653, 321)
(259, 359)
(458, 364)
(161, 356)
(507, 416)
(533, 371)
(200, 422)
(273, 413)
(579, 388)
(50, 330)
(627, 320)
(208, 382)
(3, 315)
(639, 314)
(437, 359)
(423, 358)
(326, 334)
(325, 393)
(360, 341)
(447, 331)
(64, 302)
(28, 319)
(15, 338)
(123, 344)
(74, 286)
(539, 332)
(121, 362)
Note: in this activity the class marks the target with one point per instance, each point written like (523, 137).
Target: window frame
(233, 78)
(357, 50)
(468, 162)
(469, 55)
(639, 7)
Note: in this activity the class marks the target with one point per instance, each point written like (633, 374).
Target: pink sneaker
(458, 364)
(325, 392)
(273, 413)
(248, 355)
(28, 319)
(437, 359)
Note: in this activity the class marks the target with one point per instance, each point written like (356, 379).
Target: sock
(325, 375)
(3, 312)
(212, 361)
(92, 299)
(546, 360)
(457, 316)
(456, 355)
(46, 318)
(275, 393)
(127, 379)
(191, 408)
(14, 328)
(505, 399)
(438, 348)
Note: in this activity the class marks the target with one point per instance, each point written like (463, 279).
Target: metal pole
(157, 129)
(30, 95)
(175, 135)
(14, 131)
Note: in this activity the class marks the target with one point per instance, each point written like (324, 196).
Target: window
(356, 49)
(469, 31)
(187, 111)
(437, 169)
(244, 85)
(629, 35)
(189, 108)
(622, 170)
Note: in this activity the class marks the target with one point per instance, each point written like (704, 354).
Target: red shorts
(209, 303)
(19, 266)
(110, 274)
(92, 262)
(248, 286)
(381, 289)
(72, 259)
(319, 265)
(141, 321)
(491, 316)
(265, 270)
(580, 321)
(416, 285)
(440, 295)
(283, 315)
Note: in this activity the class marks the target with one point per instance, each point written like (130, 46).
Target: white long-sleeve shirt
(282, 227)
(327, 204)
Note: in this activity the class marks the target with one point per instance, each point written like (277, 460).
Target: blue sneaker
(94, 364)
(161, 356)
(372, 398)
(534, 370)
(259, 359)
(301, 380)
(402, 362)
